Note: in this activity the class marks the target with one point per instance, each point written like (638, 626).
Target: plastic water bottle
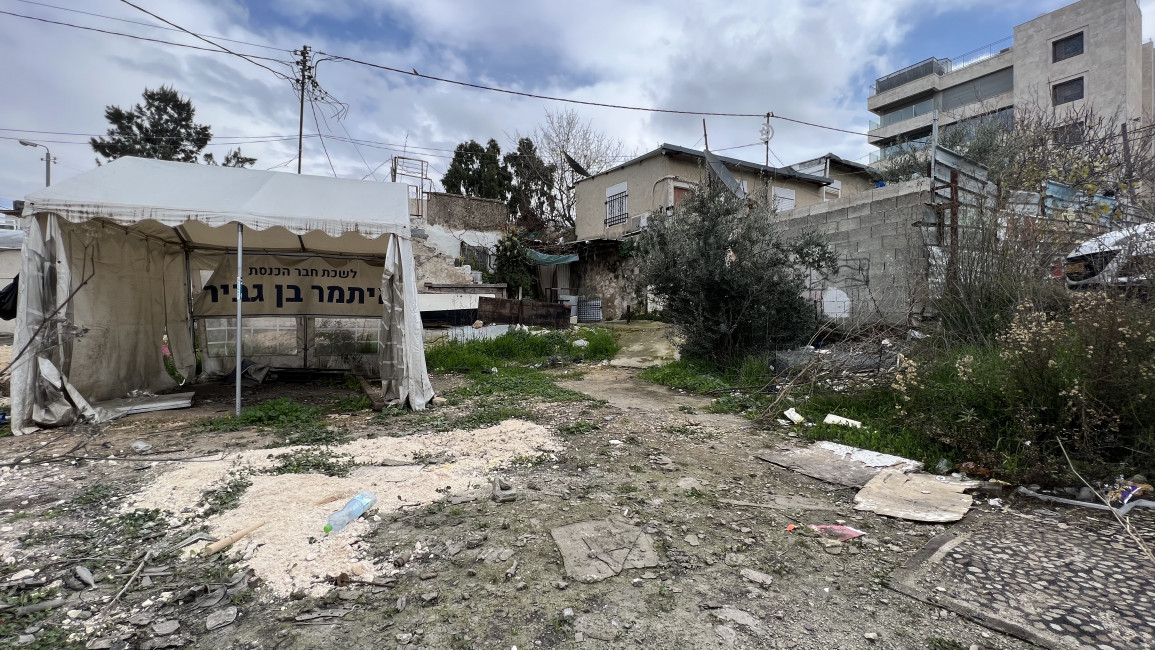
(355, 508)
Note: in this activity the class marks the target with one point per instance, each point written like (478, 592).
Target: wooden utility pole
(705, 137)
(304, 78)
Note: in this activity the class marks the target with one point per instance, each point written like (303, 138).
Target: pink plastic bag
(841, 533)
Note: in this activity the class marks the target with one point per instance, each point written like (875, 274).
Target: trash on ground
(840, 464)
(221, 618)
(357, 506)
(915, 497)
(141, 447)
(146, 404)
(229, 540)
(841, 421)
(602, 548)
(1123, 509)
(321, 613)
(794, 416)
(840, 533)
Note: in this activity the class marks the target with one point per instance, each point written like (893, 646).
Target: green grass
(487, 415)
(693, 376)
(520, 346)
(517, 381)
(884, 429)
(281, 413)
(581, 427)
(347, 403)
(97, 493)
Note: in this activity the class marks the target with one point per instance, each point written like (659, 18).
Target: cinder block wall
(881, 253)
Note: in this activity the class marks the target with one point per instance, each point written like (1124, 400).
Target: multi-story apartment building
(1089, 54)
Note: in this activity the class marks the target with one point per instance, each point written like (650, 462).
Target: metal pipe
(240, 305)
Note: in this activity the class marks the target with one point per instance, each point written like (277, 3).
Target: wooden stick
(232, 539)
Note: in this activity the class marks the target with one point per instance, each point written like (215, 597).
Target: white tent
(120, 257)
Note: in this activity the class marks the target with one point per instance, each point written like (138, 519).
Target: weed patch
(312, 461)
(520, 346)
(581, 427)
(228, 495)
(97, 493)
(282, 414)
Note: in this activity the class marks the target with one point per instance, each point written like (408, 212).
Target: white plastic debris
(841, 421)
(794, 416)
(581, 343)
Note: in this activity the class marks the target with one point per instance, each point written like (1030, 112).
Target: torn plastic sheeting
(1122, 510)
(65, 404)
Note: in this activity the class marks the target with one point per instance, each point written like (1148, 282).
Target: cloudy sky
(812, 60)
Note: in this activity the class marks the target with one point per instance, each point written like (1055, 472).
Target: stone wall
(881, 253)
(456, 212)
(603, 271)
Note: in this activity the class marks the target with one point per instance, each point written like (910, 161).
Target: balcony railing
(939, 66)
(906, 113)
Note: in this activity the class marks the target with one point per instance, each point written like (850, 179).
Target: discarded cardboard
(840, 464)
(916, 497)
(602, 548)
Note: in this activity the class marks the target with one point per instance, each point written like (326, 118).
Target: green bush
(1083, 375)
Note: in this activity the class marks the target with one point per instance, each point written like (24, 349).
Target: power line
(152, 25)
(134, 36)
(322, 138)
(415, 73)
(217, 45)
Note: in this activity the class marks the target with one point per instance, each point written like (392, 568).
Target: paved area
(1064, 579)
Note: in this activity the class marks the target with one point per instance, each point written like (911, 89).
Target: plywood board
(916, 497)
(839, 464)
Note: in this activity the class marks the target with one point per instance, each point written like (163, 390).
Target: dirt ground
(456, 569)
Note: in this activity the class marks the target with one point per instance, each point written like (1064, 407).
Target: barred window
(616, 209)
(1065, 48)
(1067, 92)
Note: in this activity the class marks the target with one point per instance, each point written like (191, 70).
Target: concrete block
(881, 229)
(883, 205)
(860, 208)
(869, 245)
(847, 223)
(887, 192)
(909, 199)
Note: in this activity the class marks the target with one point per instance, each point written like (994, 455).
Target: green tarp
(545, 260)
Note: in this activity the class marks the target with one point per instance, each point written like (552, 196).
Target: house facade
(846, 176)
(1088, 54)
(618, 201)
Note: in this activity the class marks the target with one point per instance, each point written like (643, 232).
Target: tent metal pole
(240, 305)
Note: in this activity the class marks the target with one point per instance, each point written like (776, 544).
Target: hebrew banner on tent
(276, 285)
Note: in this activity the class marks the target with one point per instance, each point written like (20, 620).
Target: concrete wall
(1111, 64)
(882, 256)
(603, 272)
(650, 184)
(456, 212)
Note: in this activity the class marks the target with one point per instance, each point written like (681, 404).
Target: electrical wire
(198, 36)
(134, 36)
(313, 107)
(152, 25)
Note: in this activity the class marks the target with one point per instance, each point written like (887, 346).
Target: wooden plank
(133, 405)
(375, 393)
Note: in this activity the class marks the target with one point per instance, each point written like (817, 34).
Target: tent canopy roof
(193, 203)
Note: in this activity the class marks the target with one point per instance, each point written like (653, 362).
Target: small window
(1065, 48)
(1069, 134)
(616, 210)
(681, 194)
(783, 199)
(1066, 92)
